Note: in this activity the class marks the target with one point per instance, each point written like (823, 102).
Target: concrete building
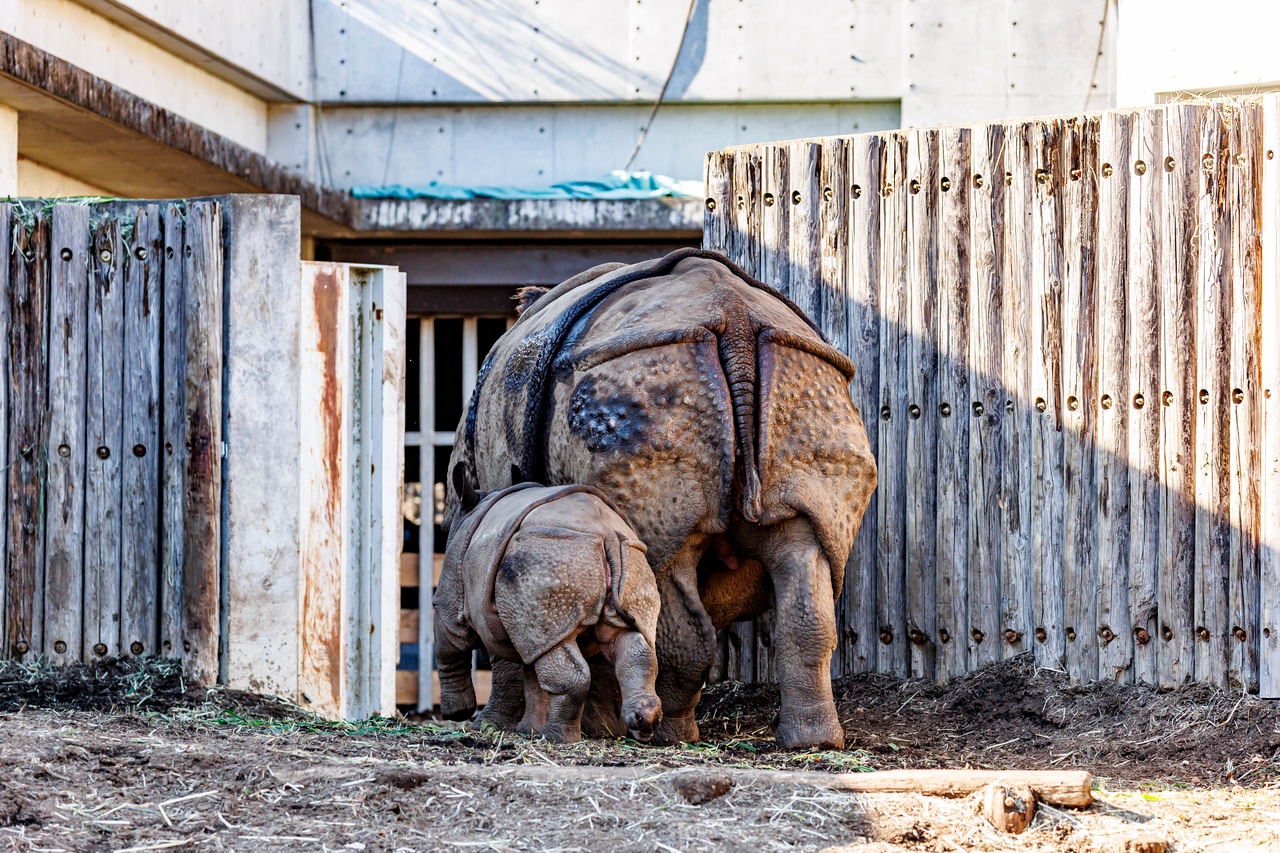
(178, 98)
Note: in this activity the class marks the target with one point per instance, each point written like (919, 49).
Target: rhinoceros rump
(718, 418)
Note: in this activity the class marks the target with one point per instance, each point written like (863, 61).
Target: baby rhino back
(556, 575)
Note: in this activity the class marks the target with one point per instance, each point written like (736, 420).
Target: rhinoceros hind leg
(505, 707)
(564, 674)
(536, 703)
(804, 631)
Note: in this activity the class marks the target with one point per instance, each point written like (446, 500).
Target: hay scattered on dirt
(126, 756)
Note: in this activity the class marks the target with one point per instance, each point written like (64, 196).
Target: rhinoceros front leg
(686, 646)
(804, 630)
(564, 674)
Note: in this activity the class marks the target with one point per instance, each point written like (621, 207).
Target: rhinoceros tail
(738, 359)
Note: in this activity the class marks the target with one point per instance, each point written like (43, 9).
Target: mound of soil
(1015, 715)
(123, 684)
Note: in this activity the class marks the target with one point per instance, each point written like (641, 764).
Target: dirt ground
(125, 757)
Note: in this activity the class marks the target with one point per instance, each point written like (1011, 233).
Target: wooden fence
(112, 397)
(1067, 334)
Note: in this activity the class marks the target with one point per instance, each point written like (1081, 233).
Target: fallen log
(1056, 787)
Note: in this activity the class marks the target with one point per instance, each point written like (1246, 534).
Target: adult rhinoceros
(718, 418)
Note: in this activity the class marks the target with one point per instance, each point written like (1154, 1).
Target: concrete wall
(39, 181)
(104, 48)
(263, 45)
(1171, 46)
(531, 145)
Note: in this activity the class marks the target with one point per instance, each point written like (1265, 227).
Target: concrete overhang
(88, 128)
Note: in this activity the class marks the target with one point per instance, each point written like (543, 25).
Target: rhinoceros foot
(676, 729)
(812, 727)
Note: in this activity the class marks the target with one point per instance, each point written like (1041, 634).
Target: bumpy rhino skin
(525, 572)
(719, 420)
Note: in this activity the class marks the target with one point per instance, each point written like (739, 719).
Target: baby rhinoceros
(539, 575)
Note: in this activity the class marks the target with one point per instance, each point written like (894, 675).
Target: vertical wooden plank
(921, 372)
(952, 588)
(64, 540)
(28, 294)
(1269, 363)
(141, 457)
(1015, 482)
(1145, 163)
(103, 436)
(202, 277)
(1045, 365)
(746, 209)
(5, 458)
(891, 507)
(1181, 170)
(173, 429)
(718, 209)
(1079, 372)
(986, 408)
(742, 645)
(863, 289)
(1245, 201)
(1087, 658)
(804, 166)
(775, 259)
(1213, 350)
(28, 302)
(833, 259)
(426, 537)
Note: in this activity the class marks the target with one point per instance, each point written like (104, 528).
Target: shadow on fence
(1066, 332)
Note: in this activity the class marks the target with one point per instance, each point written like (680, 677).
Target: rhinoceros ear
(526, 296)
(467, 495)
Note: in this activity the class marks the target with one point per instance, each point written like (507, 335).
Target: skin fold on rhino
(544, 578)
(718, 419)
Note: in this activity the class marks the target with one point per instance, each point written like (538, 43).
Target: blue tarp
(615, 185)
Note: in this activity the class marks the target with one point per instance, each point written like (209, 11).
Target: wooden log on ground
(1070, 788)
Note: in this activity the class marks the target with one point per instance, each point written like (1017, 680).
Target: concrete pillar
(8, 151)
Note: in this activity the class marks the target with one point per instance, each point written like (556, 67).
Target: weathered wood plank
(920, 362)
(952, 586)
(833, 254)
(775, 260)
(891, 508)
(986, 409)
(804, 178)
(744, 241)
(1178, 251)
(718, 209)
(1079, 374)
(1085, 652)
(1268, 637)
(5, 458)
(1015, 482)
(742, 652)
(103, 435)
(1243, 590)
(68, 334)
(201, 582)
(1045, 364)
(1145, 163)
(1213, 349)
(28, 301)
(141, 457)
(863, 291)
(173, 434)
